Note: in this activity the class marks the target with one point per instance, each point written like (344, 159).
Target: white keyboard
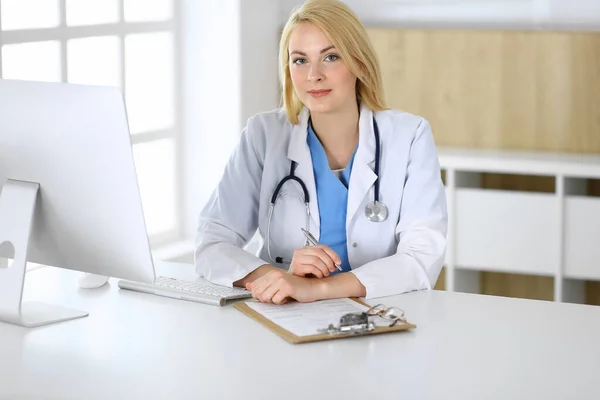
(200, 290)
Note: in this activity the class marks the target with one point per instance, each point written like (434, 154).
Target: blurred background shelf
(549, 230)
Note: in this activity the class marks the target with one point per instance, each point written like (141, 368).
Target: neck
(338, 133)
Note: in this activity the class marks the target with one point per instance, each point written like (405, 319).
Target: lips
(319, 93)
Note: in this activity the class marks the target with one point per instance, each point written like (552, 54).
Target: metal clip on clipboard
(359, 323)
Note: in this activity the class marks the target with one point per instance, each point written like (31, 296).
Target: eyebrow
(304, 54)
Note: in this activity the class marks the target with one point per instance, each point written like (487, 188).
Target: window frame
(121, 29)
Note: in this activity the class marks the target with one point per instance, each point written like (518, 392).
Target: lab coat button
(354, 244)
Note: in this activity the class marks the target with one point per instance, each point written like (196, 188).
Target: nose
(315, 74)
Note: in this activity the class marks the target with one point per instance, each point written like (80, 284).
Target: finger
(255, 294)
(279, 298)
(258, 286)
(304, 270)
(283, 293)
(326, 259)
(309, 268)
(305, 261)
(315, 257)
(268, 293)
(332, 254)
(322, 261)
(335, 258)
(295, 267)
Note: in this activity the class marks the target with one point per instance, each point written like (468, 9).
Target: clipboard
(294, 339)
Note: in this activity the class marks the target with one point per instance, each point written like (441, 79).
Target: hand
(317, 260)
(278, 287)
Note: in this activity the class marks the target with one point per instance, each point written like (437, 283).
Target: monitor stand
(17, 205)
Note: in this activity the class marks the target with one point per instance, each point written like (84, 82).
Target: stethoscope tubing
(306, 199)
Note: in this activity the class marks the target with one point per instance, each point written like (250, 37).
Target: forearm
(252, 276)
(340, 286)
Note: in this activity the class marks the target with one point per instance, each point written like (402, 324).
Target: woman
(335, 149)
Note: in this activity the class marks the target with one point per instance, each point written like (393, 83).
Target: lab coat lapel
(299, 152)
(362, 177)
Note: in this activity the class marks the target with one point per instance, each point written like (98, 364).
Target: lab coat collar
(299, 152)
(362, 176)
(298, 148)
(366, 135)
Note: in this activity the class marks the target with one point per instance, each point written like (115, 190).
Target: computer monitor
(69, 195)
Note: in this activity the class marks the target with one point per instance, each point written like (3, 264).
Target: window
(129, 44)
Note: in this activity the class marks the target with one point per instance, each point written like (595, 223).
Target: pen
(313, 242)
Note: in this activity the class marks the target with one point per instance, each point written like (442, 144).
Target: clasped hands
(278, 286)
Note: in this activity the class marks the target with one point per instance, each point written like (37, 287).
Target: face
(321, 79)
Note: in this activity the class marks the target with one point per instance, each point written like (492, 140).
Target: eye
(299, 61)
(331, 57)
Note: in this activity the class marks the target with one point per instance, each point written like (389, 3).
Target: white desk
(139, 346)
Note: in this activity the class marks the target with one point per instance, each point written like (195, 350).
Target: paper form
(304, 319)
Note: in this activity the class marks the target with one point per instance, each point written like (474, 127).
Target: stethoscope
(375, 211)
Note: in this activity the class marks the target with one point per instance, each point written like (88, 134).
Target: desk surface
(134, 345)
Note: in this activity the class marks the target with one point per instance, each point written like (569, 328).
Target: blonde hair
(345, 31)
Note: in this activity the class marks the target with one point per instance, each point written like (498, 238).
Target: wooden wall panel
(441, 282)
(592, 292)
(523, 286)
(497, 89)
(533, 90)
(594, 187)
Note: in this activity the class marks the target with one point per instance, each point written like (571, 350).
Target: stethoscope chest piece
(376, 211)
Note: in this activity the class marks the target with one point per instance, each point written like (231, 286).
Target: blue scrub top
(332, 197)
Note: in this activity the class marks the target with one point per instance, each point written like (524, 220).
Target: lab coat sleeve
(230, 217)
(421, 230)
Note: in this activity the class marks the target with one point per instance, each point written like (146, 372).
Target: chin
(319, 106)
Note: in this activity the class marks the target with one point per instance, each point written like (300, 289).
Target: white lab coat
(401, 254)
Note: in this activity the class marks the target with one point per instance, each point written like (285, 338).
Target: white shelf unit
(524, 232)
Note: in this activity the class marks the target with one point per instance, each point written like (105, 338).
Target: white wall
(260, 40)
(506, 14)
(211, 72)
(230, 69)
